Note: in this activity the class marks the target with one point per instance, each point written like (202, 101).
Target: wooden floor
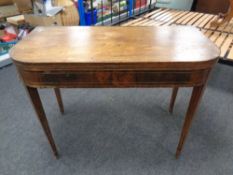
(221, 36)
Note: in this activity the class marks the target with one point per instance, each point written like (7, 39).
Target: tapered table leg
(59, 99)
(36, 102)
(193, 105)
(173, 99)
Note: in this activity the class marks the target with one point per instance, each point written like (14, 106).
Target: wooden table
(115, 57)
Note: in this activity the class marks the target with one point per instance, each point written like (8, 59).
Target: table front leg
(36, 102)
(193, 105)
(173, 99)
(59, 99)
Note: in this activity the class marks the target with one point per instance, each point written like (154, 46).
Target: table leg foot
(193, 105)
(59, 99)
(56, 155)
(173, 99)
(178, 154)
(37, 104)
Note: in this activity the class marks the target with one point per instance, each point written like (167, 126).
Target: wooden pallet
(222, 36)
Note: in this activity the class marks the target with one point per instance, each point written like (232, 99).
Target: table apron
(111, 79)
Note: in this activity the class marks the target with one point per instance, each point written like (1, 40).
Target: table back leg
(193, 105)
(36, 102)
(59, 99)
(173, 99)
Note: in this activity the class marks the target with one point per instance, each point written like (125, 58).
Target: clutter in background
(10, 35)
(53, 12)
(41, 12)
(99, 10)
(18, 17)
(111, 12)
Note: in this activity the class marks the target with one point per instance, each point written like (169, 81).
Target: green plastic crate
(5, 47)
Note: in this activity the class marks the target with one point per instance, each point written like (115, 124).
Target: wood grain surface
(115, 45)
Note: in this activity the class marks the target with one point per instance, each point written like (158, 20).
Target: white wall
(176, 4)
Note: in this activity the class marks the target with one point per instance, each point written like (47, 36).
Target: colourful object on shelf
(110, 10)
(8, 37)
(140, 3)
(9, 34)
(5, 47)
(89, 19)
(81, 12)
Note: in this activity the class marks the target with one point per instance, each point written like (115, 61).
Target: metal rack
(115, 18)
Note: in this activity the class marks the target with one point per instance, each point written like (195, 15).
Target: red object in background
(8, 37)
(140, 2)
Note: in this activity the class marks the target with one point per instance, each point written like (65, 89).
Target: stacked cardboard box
(7, 9)
(24, 6)
(39, 16)
(6, 2)
(36, 20)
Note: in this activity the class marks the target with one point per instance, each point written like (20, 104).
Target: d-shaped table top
(152, 46)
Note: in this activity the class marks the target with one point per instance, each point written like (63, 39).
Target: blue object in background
(130, 7)
(175, 4)
(88, 17)
(81, 11)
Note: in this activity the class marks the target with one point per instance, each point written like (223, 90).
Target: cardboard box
(24, 6)
(8, 10)
(16, 20)
(36, 20)
(6, 2)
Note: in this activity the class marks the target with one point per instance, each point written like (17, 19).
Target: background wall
(176, 4)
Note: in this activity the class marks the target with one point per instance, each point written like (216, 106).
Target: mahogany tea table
(115, 57)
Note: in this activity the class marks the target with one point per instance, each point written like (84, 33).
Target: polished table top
(179, 46)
